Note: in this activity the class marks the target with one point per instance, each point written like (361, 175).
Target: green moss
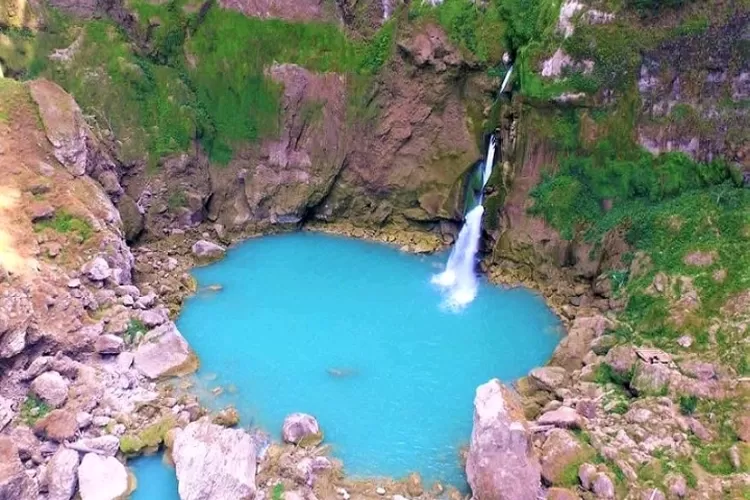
(131, 444)
(278, 492)
(688, 404)
(33, 409)
(66, 223)
(151, 436)
(177, 199)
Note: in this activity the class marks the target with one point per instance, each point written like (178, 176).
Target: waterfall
(459, 279)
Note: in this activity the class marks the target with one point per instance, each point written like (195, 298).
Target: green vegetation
(688, 404)
(151, 436)
(135, 330)
(177, 199)
(278, 492)
(33, 409)
(66, 223)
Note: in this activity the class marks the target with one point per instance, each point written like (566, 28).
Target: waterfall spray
(459, 279)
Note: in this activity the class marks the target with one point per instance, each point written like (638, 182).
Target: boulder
(162, 352)
(27, 443)
(677, 485)
(560, 451)
(298, 426)
(564, 417)
(62, 474)
(602, 486)
(213, 462)
(154, 317)
(109, 344)
(204, 249)
(14, 483)
(102, 478)
(52, 388)
(97, 269)
(501, 464)
(102, 445)
(549, 378)
(621, 359)
(650, 378)
(586, 473)
(573, 347)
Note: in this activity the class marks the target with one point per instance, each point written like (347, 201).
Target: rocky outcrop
(501, 463)
(214, 463)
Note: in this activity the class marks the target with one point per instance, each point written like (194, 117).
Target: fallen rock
(621, 359)
(51, 387)
(213, 462)
(549, 378)
(102, 445)
(501, 464)
(414, 485)
(298, 426)
(27, 443)
(602, 486)
(677, 485)
(154, 317)
(564, 417)
(560, 451)
(14, 483)
(204, 249)
(62, 474)
(650, 378)
(109, 344)
(586, 474)
(6, 412)
(102, 478)
(163, 352)
(97, 269)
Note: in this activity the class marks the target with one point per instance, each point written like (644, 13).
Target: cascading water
(459, 279)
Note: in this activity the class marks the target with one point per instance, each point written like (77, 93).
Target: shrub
(688, 404)
(278, 492)
(135, 330)
(33, 409)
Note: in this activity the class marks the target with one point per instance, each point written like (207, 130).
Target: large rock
(214, 463)
(298, 426)
(59, 425)
(560, 451)
(62, 474)
(571, 350)
(621, 359)
(501, 464)
(102, 445)
(52, 388)
(549, 378)
(14, 483)
(97, 269)
(102, 478)
(163, 352)
(564, 417)
(650, 378)
(207, 250)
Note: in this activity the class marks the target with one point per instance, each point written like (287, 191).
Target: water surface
(354, 333)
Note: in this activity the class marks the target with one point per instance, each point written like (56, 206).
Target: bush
(33, 409)
(64, 223)
(136, 329)
(688, 404)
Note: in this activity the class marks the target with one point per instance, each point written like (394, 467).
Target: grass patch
(33, 409)
(688, 404)
(67, 223)
(135, 330)
(278, 492)
(177, 199)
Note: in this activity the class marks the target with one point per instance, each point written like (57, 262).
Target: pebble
(74, 283)
(100, 421)
(127, 301)
(344, 494)
(83, 419)
(380, 490)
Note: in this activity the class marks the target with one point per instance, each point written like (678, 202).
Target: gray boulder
(162, 352)
(501, 463)
(102, 478)
(109, 344)
(62, 474)
(97, 269)
(213, 462)
(204, 249)
(549, 378)
(298, 426)
(52, 388)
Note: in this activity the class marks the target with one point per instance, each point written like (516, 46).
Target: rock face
(62, 474)
(14, 483)
(102, 478)
(501, 464)
(560, 451)
(298, 426)
(214, 463)
(162, 352)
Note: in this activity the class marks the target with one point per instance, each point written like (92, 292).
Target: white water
(459, 279)
(506, 80)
